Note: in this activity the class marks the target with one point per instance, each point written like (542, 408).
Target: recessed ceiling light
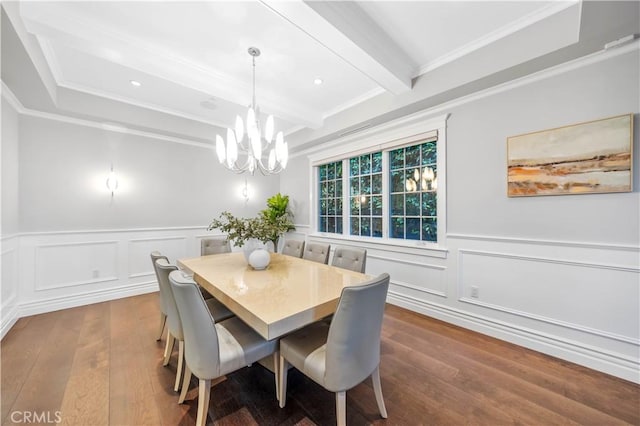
(135, 83)
(317, 81)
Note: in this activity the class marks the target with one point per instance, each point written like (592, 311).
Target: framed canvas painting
(591, 157)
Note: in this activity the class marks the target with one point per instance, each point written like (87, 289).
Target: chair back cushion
(200, 336)
(214, 246)
(293, 248)
(317, 252)
(354, 259)
(353, 343)
(155, 255)
(173, 318)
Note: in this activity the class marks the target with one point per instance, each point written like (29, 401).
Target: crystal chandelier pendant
(247, 147)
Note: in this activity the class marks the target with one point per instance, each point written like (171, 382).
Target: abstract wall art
(591, 157)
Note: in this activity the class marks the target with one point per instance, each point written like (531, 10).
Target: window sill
(420, 248)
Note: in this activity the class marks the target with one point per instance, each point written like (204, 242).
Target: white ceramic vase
(259, 259)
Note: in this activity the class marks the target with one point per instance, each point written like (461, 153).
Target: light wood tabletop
(289, 294)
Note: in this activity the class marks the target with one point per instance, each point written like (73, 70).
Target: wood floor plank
(130, 391)
(44, 386)
(101, 365)
(19, 350)
(86, 396)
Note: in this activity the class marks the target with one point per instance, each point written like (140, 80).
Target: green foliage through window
(330, 197)
(408, 206)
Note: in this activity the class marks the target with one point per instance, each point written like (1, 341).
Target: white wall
(557, 274)
(74, 244)
(9, 144)
(9, 209)
(64, 166)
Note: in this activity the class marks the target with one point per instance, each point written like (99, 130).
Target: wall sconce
(112, 181)
(245, 191)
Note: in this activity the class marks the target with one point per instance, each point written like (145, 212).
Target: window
(413, 197)
(385, 185)
(365, 183)
(330, 197)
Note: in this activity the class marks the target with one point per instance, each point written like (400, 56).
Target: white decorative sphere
(259, 259)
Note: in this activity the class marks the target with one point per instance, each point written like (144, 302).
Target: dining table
(289, 294)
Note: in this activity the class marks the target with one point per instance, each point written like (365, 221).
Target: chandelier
(247, 148)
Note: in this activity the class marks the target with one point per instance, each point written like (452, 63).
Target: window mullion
(385, 195)
(346, 192)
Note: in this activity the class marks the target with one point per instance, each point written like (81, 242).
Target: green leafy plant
(270, 224)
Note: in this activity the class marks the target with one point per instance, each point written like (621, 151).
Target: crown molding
(13, 100)
(593, 58)
(500, 33)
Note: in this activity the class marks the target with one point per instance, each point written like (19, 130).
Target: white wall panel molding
(539, 288)
(564, 324)
(79, 299)
(577, 244)
(9, 311)
(9, 287)
(416, 288)
(410, 273)
(173, 246)
(611, 362)
(509, 256)
(112, 231)
(406, 262)
(56, 269)
(73, 264)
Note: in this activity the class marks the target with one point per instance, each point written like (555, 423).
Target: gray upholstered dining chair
(215, 245)
(293, 248)
(213, 349)
(217, 309)
(341, 355)
(155, 255)
(354, 259)
(317, 252)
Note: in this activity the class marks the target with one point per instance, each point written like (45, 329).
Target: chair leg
(341, 408)
(176, 386)
(185, 384)
(163, 321)
(276, 372)
(168, 349)
(204, 393)
(377, 389)
(283, 369)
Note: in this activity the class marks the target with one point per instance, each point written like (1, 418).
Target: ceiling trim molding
(500, 33)
(593, 58)
(353, 102)
(78, 88)
(21, 109)
(373, 54)
(149, 59)
(11, 98)
(32, 48)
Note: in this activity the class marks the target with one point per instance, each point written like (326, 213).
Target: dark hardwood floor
(100, 365)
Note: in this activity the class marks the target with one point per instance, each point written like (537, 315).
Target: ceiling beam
(346, 30)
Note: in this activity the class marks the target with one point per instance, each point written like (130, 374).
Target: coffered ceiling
(192, 62)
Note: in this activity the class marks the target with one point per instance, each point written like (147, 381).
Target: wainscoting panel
(59, 270)
(9, 287)
(409, 277)
(75, 264)
(174, 247)
(567, 293)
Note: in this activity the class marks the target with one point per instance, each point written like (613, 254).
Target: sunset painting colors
(582, 158)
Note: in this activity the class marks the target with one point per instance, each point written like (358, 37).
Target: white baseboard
(607, 362)
(58, 303)
(9, 318)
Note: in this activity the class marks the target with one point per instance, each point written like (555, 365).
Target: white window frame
(405, 131)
